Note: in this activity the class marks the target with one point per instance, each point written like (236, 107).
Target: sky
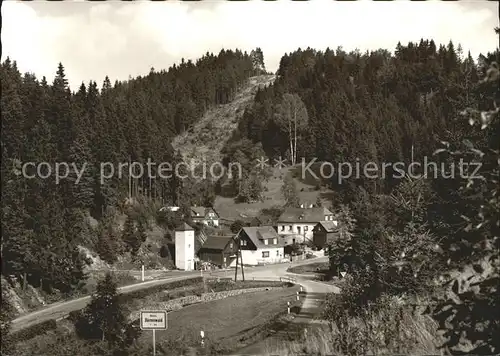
(123, 39)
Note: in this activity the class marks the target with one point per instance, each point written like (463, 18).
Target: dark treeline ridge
(407, 236)
(134, 120)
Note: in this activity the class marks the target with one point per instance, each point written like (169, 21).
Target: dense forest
(405, 236)
(400, 235)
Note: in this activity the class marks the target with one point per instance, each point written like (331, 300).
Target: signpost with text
(154, 320)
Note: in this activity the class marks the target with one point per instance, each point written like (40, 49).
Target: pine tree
(105, 315)
(141, 232)
(107, 245)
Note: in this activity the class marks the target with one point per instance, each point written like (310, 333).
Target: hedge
(143, 293)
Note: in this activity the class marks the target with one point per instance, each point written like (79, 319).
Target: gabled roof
(329, 226)
(294, 215)
(257, 234)
(201, 211)
(217, 242)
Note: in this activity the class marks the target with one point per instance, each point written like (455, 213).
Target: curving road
(62, 309)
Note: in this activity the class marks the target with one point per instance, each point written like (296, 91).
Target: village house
(259, 245)
(205, 215)
(325, 232)
(295, 225)
(219, 250)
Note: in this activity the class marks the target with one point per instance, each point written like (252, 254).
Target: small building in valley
(219, 250)
(260, 245)
(325, 232)
(205, 215)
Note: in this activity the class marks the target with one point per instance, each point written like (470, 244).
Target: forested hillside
(43, 221)
(368, 106)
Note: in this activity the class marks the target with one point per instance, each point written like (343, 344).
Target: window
(277, 253)
(243, 242)
(282, 227)
(265, 254)
(290, 228)
(275, 241)
(306, 228)
(189, 246)
(266, 241)
(231, 245)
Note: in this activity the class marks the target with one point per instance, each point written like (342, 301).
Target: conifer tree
(104, 317)
(130, 235)
(289, 191)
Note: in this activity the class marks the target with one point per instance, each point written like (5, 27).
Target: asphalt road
(62, 309)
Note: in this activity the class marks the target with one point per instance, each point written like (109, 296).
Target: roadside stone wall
(179, 303)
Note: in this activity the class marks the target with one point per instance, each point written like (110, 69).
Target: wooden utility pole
(236, 269)
(241, 260)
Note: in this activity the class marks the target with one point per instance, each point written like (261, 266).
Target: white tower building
(184, 247)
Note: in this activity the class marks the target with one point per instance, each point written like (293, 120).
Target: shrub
(32, 331)
(155, 289)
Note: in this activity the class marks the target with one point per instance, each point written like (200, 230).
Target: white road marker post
(154, 342)
(288, 307)
(142, 272)
(202, 334)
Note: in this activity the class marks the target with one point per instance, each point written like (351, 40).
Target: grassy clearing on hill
(228, 324)
(209, 135)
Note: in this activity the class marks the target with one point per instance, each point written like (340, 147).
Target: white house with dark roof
(205, 215)
(260, 245)
(295, 225)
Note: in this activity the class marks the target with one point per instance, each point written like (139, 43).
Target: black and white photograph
(274, 178)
